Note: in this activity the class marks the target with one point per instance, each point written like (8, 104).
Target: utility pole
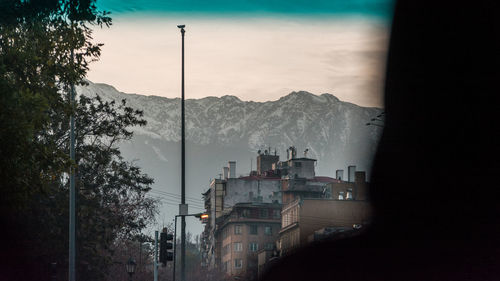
(175, 247)
(183, 173)
(72, 190)
(155, 274)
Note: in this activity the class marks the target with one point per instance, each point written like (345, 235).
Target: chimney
(232, 169)
(360, 177)
(351, 171)
(225, 172)
(292, 152)
(339, 174)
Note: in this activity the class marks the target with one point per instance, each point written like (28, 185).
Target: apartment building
(303, 217)
(246, 229)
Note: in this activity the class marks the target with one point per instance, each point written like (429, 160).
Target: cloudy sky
(255, 50)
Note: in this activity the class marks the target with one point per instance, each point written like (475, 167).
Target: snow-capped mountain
(227, 128)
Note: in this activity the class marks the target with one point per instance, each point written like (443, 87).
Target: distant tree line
(45, 47)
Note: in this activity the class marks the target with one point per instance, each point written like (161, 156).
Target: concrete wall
(300, 188)
(301, 218)
(315, 214)
(265, 162)
(301, 168)
(243, 190)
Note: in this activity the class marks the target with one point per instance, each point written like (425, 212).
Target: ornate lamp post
(131, 267)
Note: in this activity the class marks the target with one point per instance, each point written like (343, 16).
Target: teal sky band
(295, 8)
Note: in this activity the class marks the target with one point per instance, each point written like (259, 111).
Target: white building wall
(246, 190)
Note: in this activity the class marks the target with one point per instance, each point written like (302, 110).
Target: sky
(257, 50)
(253, 49)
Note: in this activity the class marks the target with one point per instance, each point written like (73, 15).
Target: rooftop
(302, 159)
(325, 179)
(275, 178)
(255, 204)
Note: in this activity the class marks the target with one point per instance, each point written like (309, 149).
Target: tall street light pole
(72, 190)
(183, 177)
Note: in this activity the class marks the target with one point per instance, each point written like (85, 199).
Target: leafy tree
(112, 203)
(45, 46)
(37, 39)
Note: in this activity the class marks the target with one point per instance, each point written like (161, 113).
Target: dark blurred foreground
(435, 181)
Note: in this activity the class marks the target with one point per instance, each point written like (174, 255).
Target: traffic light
(203, 217)
(166, 244)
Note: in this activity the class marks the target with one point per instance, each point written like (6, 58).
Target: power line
(173, 200)
(174, 194)
(176, 197)
(177, 202)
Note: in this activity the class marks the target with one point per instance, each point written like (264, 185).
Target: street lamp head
(131, 266)
(181, 26)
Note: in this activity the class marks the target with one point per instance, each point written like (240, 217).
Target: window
(238, 247)
(253, 229)
(237, 229)
(264, 213)
(276, 214)
(238, 263)
(226, 249)
(245, 213)
(253, 247)
(226, 266)
(269, 246)
(268, 230)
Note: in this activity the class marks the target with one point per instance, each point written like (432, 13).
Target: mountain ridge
(220, 129)
(226, 119)
(300, 92)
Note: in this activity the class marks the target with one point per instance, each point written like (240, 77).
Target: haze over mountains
(226, 128)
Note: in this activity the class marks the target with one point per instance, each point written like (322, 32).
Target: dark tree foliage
(46, 46)
(36, 42)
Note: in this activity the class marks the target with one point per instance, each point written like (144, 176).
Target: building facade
(275, 210)
(225, 193)
(243, 232)
(303, 217)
